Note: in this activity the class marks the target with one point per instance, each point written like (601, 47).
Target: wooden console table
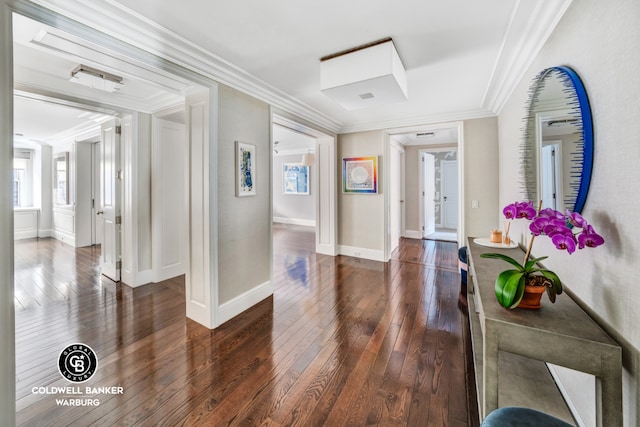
(560, 333)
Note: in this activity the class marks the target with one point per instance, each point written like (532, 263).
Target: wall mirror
(556, 150)
(61, 179)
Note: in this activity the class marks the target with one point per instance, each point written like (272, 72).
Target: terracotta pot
(531, 300)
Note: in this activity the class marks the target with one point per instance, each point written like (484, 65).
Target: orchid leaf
(557, 284)
(519, 293)
(529, 265)
(504, 258)
(551, 293)
(506, 286)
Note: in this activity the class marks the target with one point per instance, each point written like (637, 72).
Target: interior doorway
(295, 144)
(440, 193)
(425, 214)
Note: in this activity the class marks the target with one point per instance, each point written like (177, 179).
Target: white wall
(84, 191)
(244, 223)
(292, 208)
(481, 175)
(64, 215)
(601, 41)
(169, 231)
(360, 215)
(361, 228)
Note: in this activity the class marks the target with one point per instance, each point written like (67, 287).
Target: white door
(428, 194)
(449, 175)
(549, 190)
(110, 199)
(395, 196)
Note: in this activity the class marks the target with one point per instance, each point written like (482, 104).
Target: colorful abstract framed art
(360, 175)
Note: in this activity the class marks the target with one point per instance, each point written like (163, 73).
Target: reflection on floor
(343, 341)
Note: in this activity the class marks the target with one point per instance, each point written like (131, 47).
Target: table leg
(490, 370)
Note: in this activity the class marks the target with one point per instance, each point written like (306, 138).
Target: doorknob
(445, 198)
(99, 213)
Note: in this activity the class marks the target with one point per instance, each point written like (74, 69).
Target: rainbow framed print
(360, 175)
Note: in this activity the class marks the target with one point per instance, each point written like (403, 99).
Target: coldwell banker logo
(77, 363)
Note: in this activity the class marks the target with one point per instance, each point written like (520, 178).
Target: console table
(561, 333)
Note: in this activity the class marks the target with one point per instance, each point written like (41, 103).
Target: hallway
(343, 341)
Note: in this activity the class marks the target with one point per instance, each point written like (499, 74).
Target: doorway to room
(439, 197)
(429, 186)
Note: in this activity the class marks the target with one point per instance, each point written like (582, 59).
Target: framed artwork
(296, 178)
(245, 169)
(360, 175)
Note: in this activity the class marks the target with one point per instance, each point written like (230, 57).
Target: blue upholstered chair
(512, 416)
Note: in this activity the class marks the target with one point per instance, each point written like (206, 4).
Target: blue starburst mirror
(556, 150)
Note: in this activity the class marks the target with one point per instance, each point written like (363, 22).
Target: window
(22, 178)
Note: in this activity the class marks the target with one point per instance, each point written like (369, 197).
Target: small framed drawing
(296, 178)
(360, 175)
(245, 169)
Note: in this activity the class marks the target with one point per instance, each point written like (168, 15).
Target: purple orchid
(548, 225)
(589, 238)
(559, 227)
(576, 220)
(519, 210)
(564, 241)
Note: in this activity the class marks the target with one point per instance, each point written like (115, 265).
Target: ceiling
(462, 57)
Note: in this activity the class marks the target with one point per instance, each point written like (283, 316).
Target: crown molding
(134, 35)
(418, 121)
(520, 47)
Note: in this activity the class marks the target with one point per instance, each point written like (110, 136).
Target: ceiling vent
(96, 79)
(364, 76)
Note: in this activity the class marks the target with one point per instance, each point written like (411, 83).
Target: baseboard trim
(64, 237)
(413, 234)
(295, 221)
(237, 305)
(28, 234)
(365, 253)
(45, 233)
(133, 280)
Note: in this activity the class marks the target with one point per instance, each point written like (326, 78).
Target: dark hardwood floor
(343, 341)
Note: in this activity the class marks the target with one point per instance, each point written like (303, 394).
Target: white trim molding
(131, 28)
(372, 254)
(242, 302)
(295, 221)
(413, 234)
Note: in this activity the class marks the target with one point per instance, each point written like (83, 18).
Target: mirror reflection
(558, 141)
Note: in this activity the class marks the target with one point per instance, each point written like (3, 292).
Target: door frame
(442, 180)
(324, 187)
(388, 133)
(422, 187)
(400, 188)
(441, 149)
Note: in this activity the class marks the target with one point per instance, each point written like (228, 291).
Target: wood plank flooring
(342, 342)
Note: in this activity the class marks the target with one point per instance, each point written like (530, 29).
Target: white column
(201, 187)
(326, 203)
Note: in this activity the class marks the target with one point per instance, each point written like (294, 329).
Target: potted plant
(568, 231)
